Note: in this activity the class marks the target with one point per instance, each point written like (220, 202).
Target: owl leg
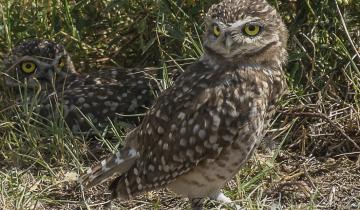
(220, 197)
(197, 203)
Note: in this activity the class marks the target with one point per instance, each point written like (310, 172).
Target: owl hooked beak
(228, 41)
(44, 76)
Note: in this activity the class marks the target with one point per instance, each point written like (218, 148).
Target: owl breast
(245, 133)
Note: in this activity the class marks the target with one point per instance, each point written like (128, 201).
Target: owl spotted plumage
(45, 69)
(202, 129)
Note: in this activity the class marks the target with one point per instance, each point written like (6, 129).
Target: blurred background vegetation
(323, 69)
(153, 32)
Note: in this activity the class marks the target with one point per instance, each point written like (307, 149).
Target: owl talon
(222, 198)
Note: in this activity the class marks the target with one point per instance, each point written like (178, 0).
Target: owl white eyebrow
(45, 58)
(240, 23)
(30, 58)
(27, 58)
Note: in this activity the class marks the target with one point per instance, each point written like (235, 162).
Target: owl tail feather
(117, 164)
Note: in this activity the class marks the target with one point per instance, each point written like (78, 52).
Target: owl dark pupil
(28, 66)
(252, 28)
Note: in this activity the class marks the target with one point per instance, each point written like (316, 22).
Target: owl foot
(220, 197)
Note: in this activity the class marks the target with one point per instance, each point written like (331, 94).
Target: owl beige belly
(195, 184)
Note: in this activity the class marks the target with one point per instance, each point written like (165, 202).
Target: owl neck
(272, 69)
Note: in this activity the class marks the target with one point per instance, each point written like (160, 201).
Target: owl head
(245, 31)
(37, 62)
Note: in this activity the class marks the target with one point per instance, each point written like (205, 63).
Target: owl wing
(96, 100)
(187, 125)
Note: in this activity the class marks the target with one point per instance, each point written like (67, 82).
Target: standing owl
(46, 70)
(201, 130)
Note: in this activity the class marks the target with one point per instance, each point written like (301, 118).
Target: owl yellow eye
(216, 30)
(251, 29)
(28, 67)
(61, 63)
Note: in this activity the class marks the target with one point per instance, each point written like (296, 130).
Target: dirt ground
(294, 182)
